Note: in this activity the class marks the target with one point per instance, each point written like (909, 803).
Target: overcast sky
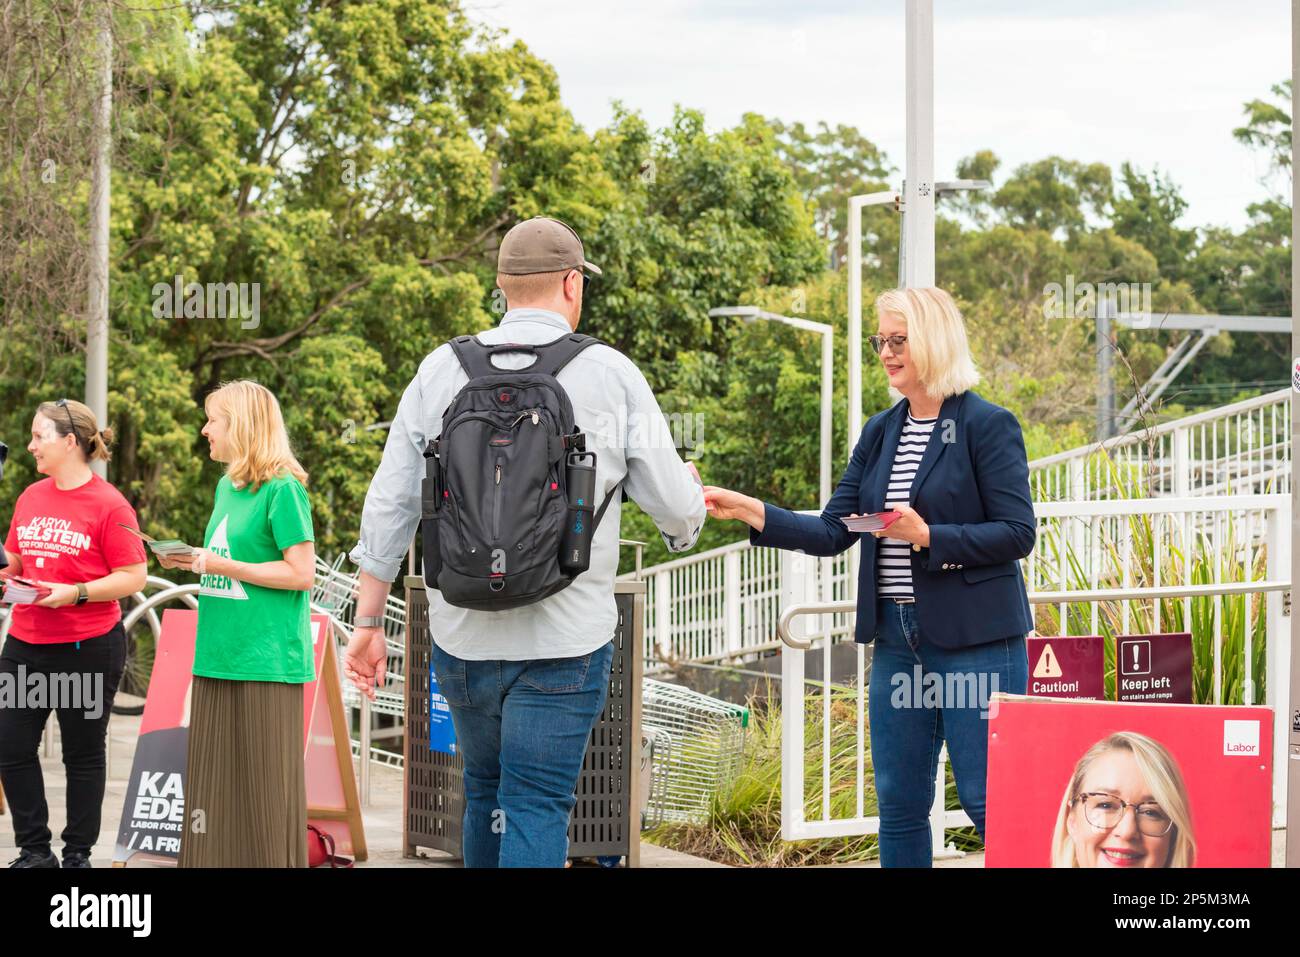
(1157, 82)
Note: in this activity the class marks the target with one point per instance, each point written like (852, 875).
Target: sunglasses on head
(63, 404)
(897, 343)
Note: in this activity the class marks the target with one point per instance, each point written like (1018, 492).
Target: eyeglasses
(1104, 811)
(896, 343)
(63, 404)
(586, 281)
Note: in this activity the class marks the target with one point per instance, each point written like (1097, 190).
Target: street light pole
(97, 297)
(827, 332)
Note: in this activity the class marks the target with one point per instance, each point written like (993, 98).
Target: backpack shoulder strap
(474, 356)
(600, 512)
(557, 354)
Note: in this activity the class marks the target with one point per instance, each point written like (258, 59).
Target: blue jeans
(919, 697)
(522, 728)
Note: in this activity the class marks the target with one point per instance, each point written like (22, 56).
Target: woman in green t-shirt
(245, 791)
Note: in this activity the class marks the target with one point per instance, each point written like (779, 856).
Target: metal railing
(1240, 448)
(723, 603)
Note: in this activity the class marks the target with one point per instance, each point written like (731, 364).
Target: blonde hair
(76, 419)
(936, 338)
(1164, 779)
(259, 443)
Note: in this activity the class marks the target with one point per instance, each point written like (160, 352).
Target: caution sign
(1063, 667)
(1048, 666)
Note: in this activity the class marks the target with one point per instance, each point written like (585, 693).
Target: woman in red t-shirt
(65, 535)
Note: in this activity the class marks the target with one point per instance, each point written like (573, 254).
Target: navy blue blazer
(972, 489)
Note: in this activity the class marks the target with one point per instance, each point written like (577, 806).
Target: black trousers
(78, 682)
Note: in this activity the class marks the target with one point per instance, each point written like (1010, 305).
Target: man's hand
(909, 527)
(366, 660)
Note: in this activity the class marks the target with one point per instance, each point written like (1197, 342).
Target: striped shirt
(893, 555)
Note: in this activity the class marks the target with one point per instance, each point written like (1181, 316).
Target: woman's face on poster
(1115, 790)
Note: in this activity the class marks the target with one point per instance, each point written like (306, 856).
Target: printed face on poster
(1107, 784)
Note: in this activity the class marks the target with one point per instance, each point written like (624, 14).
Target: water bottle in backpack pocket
(430, 503)
(580, 480)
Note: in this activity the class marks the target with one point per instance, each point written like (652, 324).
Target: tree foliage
(355, 165)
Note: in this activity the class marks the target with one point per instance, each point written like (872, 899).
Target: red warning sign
(1065, 667)
(1154, 668)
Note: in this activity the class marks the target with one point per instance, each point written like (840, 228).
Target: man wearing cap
(526, 684)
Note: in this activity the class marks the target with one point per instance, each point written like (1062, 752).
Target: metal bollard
(365, 751)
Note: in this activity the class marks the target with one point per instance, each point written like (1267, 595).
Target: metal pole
(828, 397)
(1293, 749)
(364, 768)
(824, 472)
(1105, 378)
(918, 188)
(855, 320)
(97, 302)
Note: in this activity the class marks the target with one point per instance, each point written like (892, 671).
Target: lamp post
(97, 296)
(827, 332)
(755, 314)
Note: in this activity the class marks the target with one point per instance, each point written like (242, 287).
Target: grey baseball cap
(542, 245)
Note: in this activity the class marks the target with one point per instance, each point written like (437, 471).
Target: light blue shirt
(613, 405)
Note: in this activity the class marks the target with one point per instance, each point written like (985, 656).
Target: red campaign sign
(1154, 668)
(1062, 667)
(1110, 784)
(331, 785)
(154, 813)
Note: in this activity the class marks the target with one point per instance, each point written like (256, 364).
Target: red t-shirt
(70, 536)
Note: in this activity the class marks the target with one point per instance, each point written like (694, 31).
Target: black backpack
(497, 511)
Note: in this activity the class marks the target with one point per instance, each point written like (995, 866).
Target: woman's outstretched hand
(725, 504)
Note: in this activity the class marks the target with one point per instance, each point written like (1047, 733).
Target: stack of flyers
(161, 547)
(169, 546)
(875, 522)
(22, 591)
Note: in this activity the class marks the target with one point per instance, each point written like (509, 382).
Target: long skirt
(246, 791)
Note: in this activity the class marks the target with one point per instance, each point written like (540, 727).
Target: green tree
(831, 164)
(1055, 195)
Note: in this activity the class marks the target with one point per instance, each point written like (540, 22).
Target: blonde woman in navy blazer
(940, 591)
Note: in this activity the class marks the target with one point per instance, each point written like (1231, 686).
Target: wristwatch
(83, 596)
(369, 621)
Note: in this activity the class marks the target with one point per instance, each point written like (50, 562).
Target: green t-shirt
(247, 632)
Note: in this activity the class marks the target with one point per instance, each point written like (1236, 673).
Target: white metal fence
(724, 603)
(1237, 449)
